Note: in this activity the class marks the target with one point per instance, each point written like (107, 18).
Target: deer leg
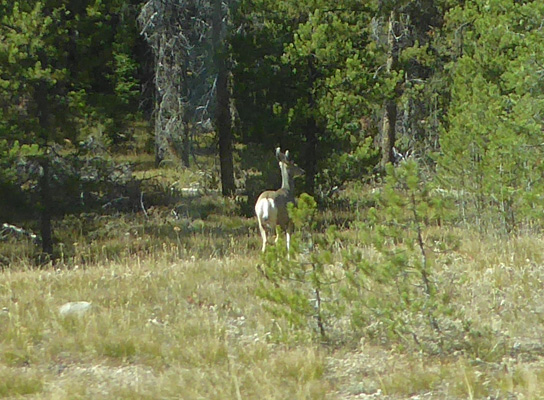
(288, 236)
(263, 235)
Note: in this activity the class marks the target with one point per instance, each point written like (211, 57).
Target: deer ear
(287, 155)
(280, 156)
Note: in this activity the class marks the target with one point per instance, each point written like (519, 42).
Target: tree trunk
(390, 107)
(161, 143)
(310, 134)
(222, 109)
(45, 210)
(310, 159)
(44, 120)
(388, 132)
(185, 144)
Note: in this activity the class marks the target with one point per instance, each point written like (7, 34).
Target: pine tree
(34, 89)
(64, 69)
(303, 79)
(491, 142)
(394, 292)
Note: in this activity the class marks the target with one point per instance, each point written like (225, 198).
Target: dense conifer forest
(348, 88)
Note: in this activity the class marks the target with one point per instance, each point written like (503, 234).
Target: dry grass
(157, 329)
(175, 315)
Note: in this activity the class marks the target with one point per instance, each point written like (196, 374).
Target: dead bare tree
(390, 107)
(191, 76)
(178, 32)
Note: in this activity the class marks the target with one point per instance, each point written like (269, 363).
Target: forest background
(130, 126)
(347, 89)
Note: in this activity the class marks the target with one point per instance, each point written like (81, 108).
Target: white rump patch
(266, 211)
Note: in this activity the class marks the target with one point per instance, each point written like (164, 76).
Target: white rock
(75, 308)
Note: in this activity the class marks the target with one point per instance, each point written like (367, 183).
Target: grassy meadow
(175, 313)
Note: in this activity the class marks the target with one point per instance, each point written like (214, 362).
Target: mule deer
(271, 206)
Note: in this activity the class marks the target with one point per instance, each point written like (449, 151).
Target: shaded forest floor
(175, 314)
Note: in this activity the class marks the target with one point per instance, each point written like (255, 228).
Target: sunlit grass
(160, 324)
(194, 324)
(19, 383)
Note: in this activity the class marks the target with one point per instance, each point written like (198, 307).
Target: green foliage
(307, 74)
(333, 69)
(388, 283)
(305, 69)
(303, 214)
(491, 145)
(33, 73)
(70, 62)
(395, 291)
(66, 72)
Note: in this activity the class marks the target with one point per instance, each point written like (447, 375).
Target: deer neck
(287, 182)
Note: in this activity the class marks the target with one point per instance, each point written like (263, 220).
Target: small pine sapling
(300, 288)
(393, 292)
